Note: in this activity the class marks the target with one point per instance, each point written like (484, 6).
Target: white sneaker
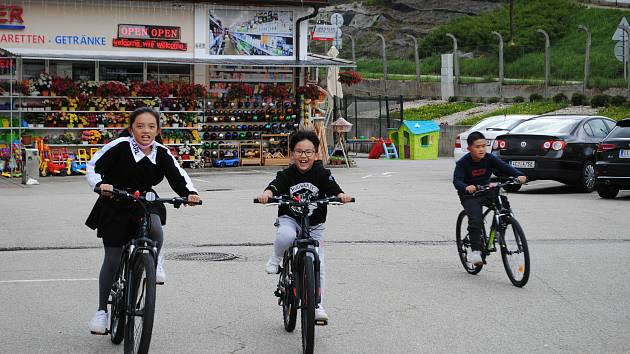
(272, 266)
(160, 274)
(98, 323)
(321, 317)
(474, 257)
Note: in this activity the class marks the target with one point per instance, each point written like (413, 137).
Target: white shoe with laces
(474, 257)
(98, 323)
(321, 317)
(273, 265)
(160, 274)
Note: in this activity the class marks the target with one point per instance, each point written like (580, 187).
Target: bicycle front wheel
(308, 300)
(140, 314)
(289, 302)
(515, 253)
(117, 308)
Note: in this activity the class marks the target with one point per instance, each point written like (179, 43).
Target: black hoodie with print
(315, 183)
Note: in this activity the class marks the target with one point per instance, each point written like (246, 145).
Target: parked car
(555, 147)
(490, 127)
(227, 162)
(613, 161)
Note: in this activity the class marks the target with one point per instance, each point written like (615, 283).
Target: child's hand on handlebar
(471, 189)
(522, 179)
(106, 190)
(264, 198)
(194, 198)
(345, 198)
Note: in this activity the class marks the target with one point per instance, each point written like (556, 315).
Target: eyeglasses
(307, 153)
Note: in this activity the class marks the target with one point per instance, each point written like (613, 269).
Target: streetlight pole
(501, 73)
(354, 56)
(547, 45)
(626, 29)
(587, 57)
(417, 57)
(384, 61)
(455, 62)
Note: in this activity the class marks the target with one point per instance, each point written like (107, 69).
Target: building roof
(318, 3)
(421, 126)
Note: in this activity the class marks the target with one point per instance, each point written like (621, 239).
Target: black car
(613, 161)
(555, 147)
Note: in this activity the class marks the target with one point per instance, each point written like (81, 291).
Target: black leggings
(474, 211)
(112, 260)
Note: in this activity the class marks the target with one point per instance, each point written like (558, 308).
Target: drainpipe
(297, 30)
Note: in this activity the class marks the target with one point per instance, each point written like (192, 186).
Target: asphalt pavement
(395, 284)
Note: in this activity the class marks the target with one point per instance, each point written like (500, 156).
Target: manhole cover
(202, 256)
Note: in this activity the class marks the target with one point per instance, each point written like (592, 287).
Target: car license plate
(523, 164)
(624, 154)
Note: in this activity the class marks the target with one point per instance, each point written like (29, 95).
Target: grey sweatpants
(288, 230)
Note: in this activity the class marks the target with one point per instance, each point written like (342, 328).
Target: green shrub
(534, 97)
(600, 101)
(434, 111)
(467, 99)
(560, 97)
(493, 100)
(518, 99)
(578, 99)
(452, 99)
(618, 101)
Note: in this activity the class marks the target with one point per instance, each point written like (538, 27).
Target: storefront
(229, 80)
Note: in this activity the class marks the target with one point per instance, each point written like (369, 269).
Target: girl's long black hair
(135, 114)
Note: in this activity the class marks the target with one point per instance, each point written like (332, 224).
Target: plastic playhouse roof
(421, 126)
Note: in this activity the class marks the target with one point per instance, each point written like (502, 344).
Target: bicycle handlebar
(484, 188)
(288, 200)
(176, 201)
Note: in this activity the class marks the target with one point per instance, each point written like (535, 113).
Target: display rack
(251, 153)
(275, 149)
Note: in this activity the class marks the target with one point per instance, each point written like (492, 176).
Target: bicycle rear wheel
(308, 300)
(117, 307)
(515, 253)
(463, 242)
(141, 294)
(289, 308)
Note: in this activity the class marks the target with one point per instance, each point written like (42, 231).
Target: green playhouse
(416, 140)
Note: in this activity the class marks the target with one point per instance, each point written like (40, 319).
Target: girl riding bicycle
(307, 178)
(134, 162)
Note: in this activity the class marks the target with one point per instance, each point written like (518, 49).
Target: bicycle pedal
(100, 334)
(321, 322)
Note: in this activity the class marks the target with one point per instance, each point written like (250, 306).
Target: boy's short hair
(304, 135)
(474, 136)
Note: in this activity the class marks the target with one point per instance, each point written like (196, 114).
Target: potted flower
(350, 77)
(175, 120)
(184, 151)
(309, 93)
(43, 84)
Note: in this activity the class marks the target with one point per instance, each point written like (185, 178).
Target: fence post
(402, 109)
(384, 61)
(455, 62)
(356, 118)
(546, 60)
(345, 106)
(587, 57)
(354, 56)
(417, 57)
(387, 110)
(627, 55)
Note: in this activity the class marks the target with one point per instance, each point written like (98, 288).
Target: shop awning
(314, 60)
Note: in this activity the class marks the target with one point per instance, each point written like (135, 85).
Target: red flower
(350, 77)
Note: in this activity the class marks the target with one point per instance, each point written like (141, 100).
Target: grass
(538, 107)
(616, 113)
(434, 111)
(524, 57)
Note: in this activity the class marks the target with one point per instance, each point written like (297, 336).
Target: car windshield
(619, 132)
(550, 126)
(497, 123)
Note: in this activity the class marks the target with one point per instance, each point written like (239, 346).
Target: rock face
(396, 18)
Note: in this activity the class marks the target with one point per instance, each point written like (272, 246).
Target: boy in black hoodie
(472, 170)
(305, 177)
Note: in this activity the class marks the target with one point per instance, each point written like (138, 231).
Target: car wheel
(607, 192)
(222, 164)
(588, 180)
(513, 188)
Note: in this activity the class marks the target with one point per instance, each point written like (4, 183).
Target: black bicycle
(298, 286)
(132, 297)
(504, 227)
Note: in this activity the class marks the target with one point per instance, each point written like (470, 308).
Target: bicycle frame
(500, 212)
(303, 245)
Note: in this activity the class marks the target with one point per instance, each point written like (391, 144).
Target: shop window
(32, 68)
(77, 70)
(169, 72)
(110, 71)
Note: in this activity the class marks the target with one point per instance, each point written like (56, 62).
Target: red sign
(149, 44)
(165, 33)
(11, 17)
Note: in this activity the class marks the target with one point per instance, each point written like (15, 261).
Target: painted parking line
(45, 280)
